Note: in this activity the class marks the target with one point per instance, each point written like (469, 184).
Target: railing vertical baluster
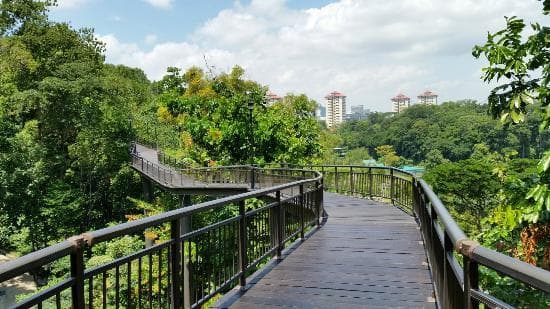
(351, 185)
(77, 272)
(370, 182)
(336, 178)
(448, 247)
(302, 212)
(392, 186)
(471, 281)
(252, 177)
(280, 225)
(175, 258)
(319, 195)
(242, 245)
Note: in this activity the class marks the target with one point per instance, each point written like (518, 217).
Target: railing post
(415, 200)
(448, 247)
(302, 212)
(336, 179)
(471, 281)
(185, 227)
(77, 272)
(242, 245)
(252, 177)
(175, 266)
(392, 186)
(370, 183)
(351, 180)
(280, 225)
(319, 196)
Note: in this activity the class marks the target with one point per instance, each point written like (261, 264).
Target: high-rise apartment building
(400, 103)
(336, 108)
(272, 98)
(428, 97)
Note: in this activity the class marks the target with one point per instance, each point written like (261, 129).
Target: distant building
(428, 97)
(272, 98)
(336, 108)
(400, 103)
(321, 112)
(358, 112)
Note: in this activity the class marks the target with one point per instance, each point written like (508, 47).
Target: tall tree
(522, 67)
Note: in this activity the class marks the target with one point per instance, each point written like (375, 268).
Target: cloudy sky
(368, 49)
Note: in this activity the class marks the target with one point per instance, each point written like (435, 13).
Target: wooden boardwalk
(175, 180)
(368, 254)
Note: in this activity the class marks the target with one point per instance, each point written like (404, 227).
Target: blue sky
(368, 49)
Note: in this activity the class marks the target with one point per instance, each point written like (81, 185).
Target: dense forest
(67, 120)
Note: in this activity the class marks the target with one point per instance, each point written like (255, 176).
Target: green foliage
(446, 132)
(522, 67)
(468, 188)
(65, 121)
(214, 124)
(15, 15)
(387, 155)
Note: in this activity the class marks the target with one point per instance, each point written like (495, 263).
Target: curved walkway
(368, 254)
(145, 160)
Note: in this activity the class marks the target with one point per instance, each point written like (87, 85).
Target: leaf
(504, 117)
(545, 161)
(526, 98)
(515, 116)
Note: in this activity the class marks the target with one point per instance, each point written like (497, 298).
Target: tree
(468, 188)
(387, 155)
(215, 125)
(66, 127)
(516, 63)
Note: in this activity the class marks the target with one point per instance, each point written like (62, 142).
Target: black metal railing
(454, 259)
(169, 174)
(186, 267)
(190, 266)
(386, 183)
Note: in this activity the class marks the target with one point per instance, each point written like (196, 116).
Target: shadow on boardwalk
(368, 254)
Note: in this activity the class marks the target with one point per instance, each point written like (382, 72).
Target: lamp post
(251, 126)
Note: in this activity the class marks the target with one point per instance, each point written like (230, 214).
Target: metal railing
(386, 183)
(456, 282)
(179, 270)
(170, 174)
(188, 266)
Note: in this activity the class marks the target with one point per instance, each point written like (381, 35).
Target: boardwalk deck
(368, 254)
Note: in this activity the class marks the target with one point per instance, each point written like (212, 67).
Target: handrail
(144, 223)
(32, 260)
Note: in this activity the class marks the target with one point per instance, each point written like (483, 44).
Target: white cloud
(150, 39)
(161, 4)
(368, 49)
(69, 4)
